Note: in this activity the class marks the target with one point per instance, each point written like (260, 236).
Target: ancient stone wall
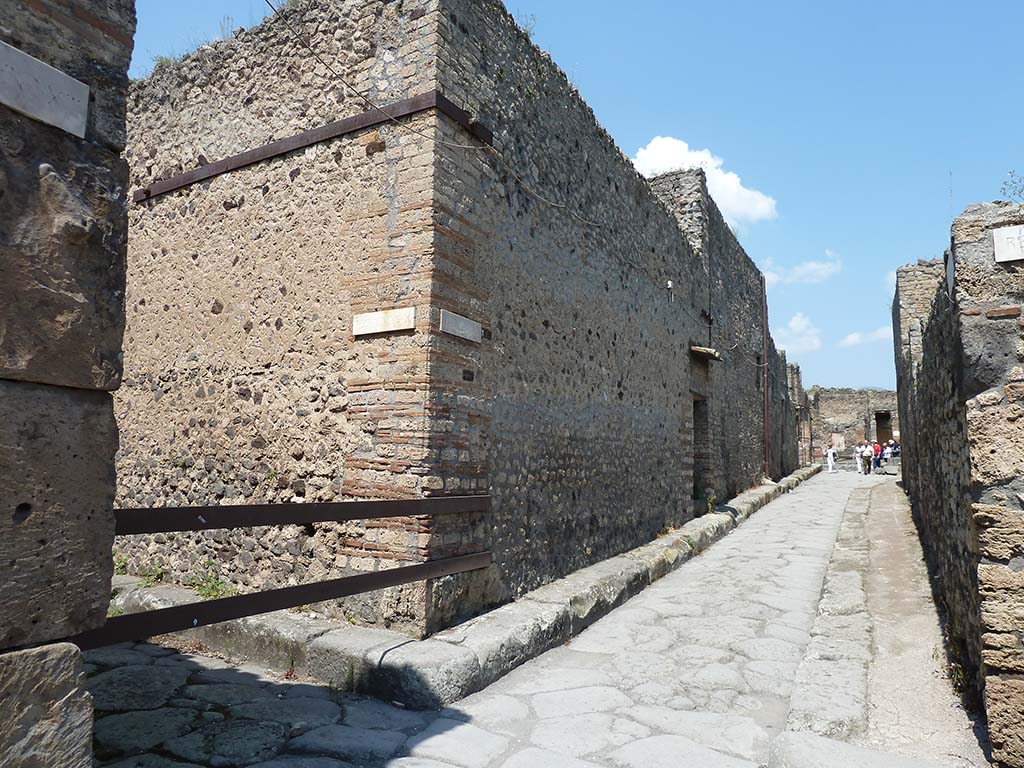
(845, 417)
(801, 404)
(62, 266)
(584, 389)
(575, 405)
(916, 288)
(243, 380)
(963, 387)
(729, 304)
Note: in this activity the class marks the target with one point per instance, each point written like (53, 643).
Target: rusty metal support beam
(138, 626)
(394, 111)
(169, 519)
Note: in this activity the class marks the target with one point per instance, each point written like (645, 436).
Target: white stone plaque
(460, 326)
(36, 89)
(385, 321)
(1009, 243)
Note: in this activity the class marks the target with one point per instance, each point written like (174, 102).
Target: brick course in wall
(574, 409)
(960, 372)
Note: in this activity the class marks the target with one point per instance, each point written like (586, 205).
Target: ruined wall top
(916, 286)
(685, 194)
(838, 391)
(262, 84)
(980, 280)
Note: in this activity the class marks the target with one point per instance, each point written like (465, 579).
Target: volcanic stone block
(1000, 531)
(1002, 598)
(1004, 704)
(62, 257)
(45, 711)
(90, 40)
(996, 439)
(56, 510)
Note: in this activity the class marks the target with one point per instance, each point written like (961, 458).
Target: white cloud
(738, 204)
(883, 333)
(798, 335)
(806, 272)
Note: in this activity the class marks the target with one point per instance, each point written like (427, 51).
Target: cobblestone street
(702, 668)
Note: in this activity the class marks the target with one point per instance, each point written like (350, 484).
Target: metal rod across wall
(369, 119)
(171, 519)
(137, 626)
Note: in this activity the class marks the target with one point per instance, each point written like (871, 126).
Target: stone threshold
(450, 665)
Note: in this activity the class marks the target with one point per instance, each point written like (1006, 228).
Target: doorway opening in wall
(703, 477)
(883, 426)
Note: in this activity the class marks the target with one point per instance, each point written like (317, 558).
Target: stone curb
(431, 673)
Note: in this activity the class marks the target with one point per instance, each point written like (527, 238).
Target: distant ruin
(387, 311)
(842, 418)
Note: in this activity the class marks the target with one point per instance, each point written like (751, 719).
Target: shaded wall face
(916, 288)
(725, 286)
(989, 297)
(244, 382)
(959, 371)
(62, 255)
(935, 452)
(62, 263)
(581, 403)
(582, 399)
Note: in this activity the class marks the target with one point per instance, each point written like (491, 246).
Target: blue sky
(840, 138)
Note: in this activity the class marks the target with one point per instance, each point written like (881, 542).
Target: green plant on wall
(208, 585)
(152, 576)
(710, 499)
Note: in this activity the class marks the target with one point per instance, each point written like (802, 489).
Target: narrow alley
(708, 667)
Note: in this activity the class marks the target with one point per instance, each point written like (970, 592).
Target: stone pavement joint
(830, 695)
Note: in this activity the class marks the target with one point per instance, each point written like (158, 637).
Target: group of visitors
(869, 456)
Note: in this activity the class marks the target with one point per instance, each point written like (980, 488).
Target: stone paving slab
(457, 662)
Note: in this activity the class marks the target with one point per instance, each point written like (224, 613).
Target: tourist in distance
(868, 455)
(876, 451)
(830, 456)
(858, 450)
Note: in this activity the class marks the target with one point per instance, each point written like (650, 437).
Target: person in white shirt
(857, 455)
(830, 456)
(867, 456)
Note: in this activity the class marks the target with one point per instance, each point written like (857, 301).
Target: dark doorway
(703, 478)
(883, 426)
